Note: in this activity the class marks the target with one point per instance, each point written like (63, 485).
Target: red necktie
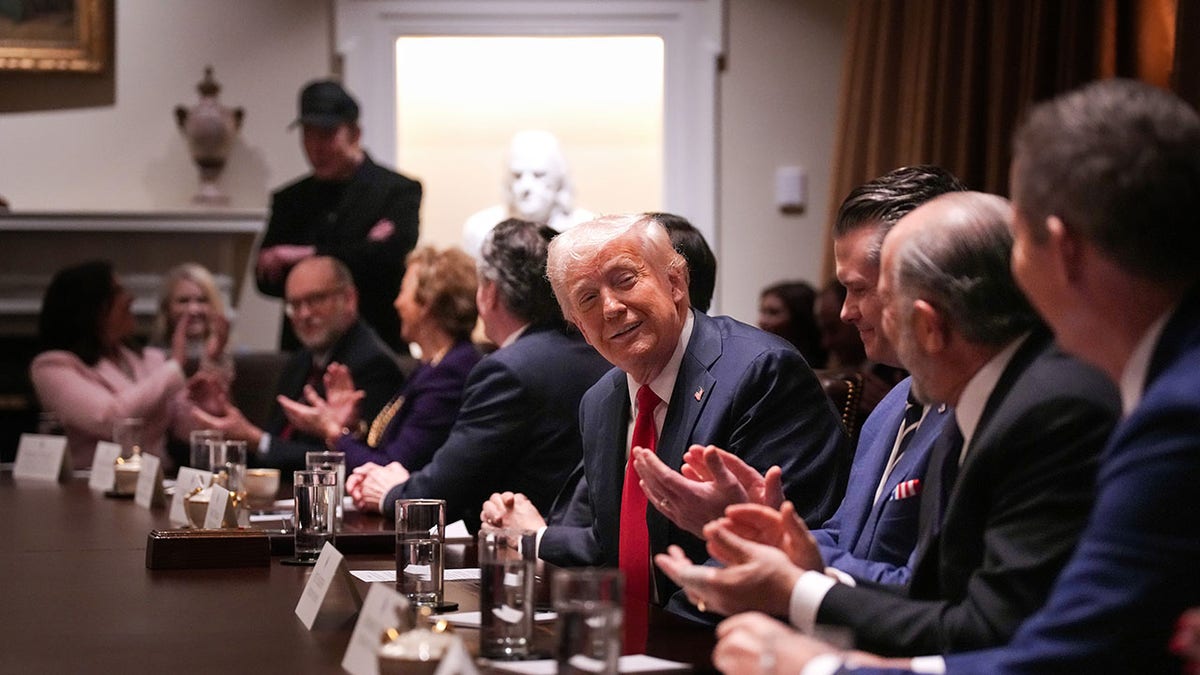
(635, 538)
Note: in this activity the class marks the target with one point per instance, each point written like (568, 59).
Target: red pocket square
(909, 488)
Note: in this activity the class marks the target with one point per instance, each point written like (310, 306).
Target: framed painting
(73, 36)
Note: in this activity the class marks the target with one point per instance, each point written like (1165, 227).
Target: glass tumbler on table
(420, 533)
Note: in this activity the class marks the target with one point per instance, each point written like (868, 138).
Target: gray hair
(581, 245)
(961, 266)
(513, 257)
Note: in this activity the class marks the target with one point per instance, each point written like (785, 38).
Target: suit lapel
(693, 386)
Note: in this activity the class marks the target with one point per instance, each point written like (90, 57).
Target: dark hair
(513, 257)
(1119, 162)
(961, 267)
(802, 331)
(74, 307)
(702, 264)
(882, 202)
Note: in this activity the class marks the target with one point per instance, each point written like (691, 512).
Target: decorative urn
(209, 128)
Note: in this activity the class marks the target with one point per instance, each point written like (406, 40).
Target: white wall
(122, 151)
(778, 107)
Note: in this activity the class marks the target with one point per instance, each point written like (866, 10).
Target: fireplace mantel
(141, 245)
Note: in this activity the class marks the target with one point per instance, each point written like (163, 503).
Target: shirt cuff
(935, 665)
(264, 444)
(537, 544)
(825, 664)
(842, 577)
(807, 595)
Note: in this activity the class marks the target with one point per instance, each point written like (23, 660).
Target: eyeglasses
(320, 299)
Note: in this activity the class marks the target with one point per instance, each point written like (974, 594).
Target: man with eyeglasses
(321, 302)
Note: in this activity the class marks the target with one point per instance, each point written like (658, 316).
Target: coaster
(118, 495)
(445, 607)
(297, 562)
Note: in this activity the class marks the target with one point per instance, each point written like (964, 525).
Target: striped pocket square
(909, 488)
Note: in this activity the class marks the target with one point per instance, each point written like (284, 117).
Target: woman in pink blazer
(90, 374)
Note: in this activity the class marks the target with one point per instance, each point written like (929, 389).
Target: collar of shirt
(1133, 375)
(664, 384)
(979, 389)
(513, 336)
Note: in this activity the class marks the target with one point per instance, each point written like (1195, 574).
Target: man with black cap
(349, 207)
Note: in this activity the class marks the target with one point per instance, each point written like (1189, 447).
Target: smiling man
(681, 378)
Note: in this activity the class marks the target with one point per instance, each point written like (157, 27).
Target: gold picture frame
(70, 36)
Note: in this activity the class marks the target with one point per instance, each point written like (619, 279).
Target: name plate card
(188, 479)
(380, 611)
(149, 490)
(316, 599)
(216, 508)
(104, 474)
(41, 457)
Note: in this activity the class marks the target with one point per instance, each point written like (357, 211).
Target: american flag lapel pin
(699, 394)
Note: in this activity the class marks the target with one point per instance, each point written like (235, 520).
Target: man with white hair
(682, 380)
(537, 188)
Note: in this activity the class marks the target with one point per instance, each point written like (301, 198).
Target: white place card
(149, 491)
(188, 479)
(41, 457)
(216, 508)
(380, 611)
(104, 473)
(330, 568)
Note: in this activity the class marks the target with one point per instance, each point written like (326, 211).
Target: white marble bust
(537, 187)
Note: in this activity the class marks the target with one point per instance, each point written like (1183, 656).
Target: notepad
(389, 576)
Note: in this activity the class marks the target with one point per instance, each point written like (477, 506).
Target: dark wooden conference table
(76, 596)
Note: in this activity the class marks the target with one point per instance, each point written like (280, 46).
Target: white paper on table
(215, 515)
(472, 619)
(41, 457)
(104, 473)
(633, 663)
(149, 485)
(389, 576)
(457, 530)
(379, 612)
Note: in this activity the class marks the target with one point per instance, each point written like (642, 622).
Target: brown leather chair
(844, 388)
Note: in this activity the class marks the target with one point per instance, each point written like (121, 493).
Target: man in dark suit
(322, 304)
(873, 532)
(1104, 184)
(1006, 492)
(349, 207)
(517, 426)
(620, 281)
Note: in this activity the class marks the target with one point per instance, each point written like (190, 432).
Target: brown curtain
(946, 81)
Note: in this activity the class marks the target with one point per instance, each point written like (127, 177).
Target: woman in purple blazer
(437, 311)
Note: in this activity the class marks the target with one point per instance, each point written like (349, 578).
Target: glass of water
(315, 493)
(588, 604)
(331, 461)
(506, 569)
(420, 531)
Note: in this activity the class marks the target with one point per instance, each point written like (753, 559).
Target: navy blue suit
(517, 429)
(1010, 523)
(873, 539)
(374, 369)
(739, 388)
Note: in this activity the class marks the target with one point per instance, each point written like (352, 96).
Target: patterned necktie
(634, 554)
(913, 412)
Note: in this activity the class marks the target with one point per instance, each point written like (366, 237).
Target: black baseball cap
(324, 103)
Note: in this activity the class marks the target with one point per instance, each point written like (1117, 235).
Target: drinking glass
(315, 492)
(420, 531)
(334, 461)
(199, 444)
(229, 457)
(506, 570)
(588, 604)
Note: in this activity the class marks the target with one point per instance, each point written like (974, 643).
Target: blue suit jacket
(517, 428)
(739, 388)
(1137, 566)
(432, 397)
(872, 539)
